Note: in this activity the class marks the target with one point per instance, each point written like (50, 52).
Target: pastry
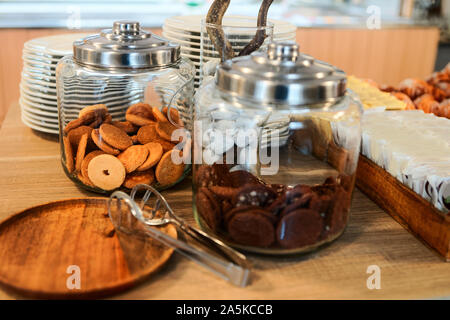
(133, 157)
(81, 151)
(106, 172)
(414, 87)
(115, 137)
(139, 177)
(425, 103)
(68, 153)
(155, 152)
(101, 144)
(168, 172)
(406, 99)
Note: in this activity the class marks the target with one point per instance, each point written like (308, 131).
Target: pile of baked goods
(431, 95)
(106, 154)
(250, 212)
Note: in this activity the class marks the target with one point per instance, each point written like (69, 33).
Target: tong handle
(213, 243)
(229, 271)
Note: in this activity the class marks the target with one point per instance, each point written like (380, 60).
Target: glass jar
(113, 97)
(276, 145)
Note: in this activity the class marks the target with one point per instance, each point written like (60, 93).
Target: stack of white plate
(38, 99)
(186, 30)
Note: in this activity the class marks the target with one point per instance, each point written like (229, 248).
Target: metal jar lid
(283, 75)
(126, 45)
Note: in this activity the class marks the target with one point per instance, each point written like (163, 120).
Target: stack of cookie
(105, 154)
(253, 213)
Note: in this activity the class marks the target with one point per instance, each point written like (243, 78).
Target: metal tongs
(234, 268)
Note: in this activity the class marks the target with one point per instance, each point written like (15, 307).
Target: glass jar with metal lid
(276, 144)
(123, 96)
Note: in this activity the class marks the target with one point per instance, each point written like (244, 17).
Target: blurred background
(384, 40)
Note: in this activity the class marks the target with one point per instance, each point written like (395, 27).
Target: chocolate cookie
(223, 192)
(254, 195)
(251, 229)
(299, 228)
(213, 175)
(299, 203)
(242, 177)
(337, 213)
(207, 208)
(115, 137)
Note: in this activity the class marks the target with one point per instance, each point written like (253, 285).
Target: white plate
(35, 55)
(32, 85)
(193, 23)
(39, 76)
(36, 117)
(38, 127)
(40, 123)
(38, 64)
(39, 73)
(30, 108)
(59, 45)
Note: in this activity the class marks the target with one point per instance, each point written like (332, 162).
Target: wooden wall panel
(386, 56)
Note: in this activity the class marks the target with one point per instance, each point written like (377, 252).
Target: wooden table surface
(31, 173)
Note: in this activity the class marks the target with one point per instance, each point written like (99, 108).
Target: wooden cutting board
(48, 250)
(408, 208)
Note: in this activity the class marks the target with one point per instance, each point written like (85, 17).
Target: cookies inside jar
(145, 148)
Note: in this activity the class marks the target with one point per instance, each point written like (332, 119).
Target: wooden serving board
(408, 208)
(42, 247)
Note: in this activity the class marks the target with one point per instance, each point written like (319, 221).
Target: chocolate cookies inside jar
(124, 102)
(276, 145)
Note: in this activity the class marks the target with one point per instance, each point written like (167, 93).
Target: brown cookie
(254, 195)
(73, 125)
(86, 160)
(158, 115)
(251, 229)
(147, 134)
(106, 172)
(100, 109)
(135, 139)
(227, 216)
(299, 228)
(165, 130)
(155, 152)
(212, 175)
(126, 126)
(208, 208)
(84, 180)
(168, 172)
(76, 134)
(140, 114)
(81, 151)
(174, 116)
(142, 177)
(101, 144)
(167, 146)
(115, 137)
(68, 154)
(133, 157)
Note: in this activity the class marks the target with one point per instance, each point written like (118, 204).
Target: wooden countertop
(31, 173)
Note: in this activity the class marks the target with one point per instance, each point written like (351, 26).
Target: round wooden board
(39, 245)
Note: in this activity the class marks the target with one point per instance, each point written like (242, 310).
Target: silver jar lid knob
(126, 27)
(283, 51)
